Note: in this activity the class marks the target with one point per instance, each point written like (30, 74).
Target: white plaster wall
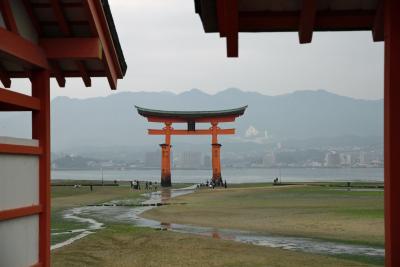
(19, 177)
(19, 239)
(18, 141)
(22, 19)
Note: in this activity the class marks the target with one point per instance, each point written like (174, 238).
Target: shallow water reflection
(128, 214)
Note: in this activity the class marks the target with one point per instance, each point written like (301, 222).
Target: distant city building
(345, 159)
(190, 160)
(332, 159)
(371, 158)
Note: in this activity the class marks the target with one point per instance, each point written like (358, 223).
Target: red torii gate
(191, 118)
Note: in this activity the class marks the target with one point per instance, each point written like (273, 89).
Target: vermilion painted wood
(4, 77)
(22, 49)
(232, 28)
(198, 120)
(378, 28)
(221, 16)
(62, 22)
(392, 133)
(20, 212)
(289, 21)
(72, 48)
(100, 28)
(86, 78)
(66, 73)
(41, 132)
(20, 150)
(29, 10)
(21, 102)
(196, 132)
(307, 20)
(57, 73)
(80, 46)
(8, 16)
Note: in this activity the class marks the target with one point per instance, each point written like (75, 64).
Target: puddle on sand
(119, 213)
(72, 214)
(132, 215)
(358, 189)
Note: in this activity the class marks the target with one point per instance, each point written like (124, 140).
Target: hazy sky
(166, 49)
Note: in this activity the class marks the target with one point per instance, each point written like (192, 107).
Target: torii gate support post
(41, 132)
(166, 157)
(392, 132)
(216, 155)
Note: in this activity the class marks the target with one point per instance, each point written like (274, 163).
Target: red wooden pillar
(216, 163)
(41, 131)
(166, 157)
(392, 133)
(216, 155)
(165, 165)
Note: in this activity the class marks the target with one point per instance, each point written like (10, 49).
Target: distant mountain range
(307, 117)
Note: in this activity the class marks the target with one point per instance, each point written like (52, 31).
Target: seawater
(232, 175)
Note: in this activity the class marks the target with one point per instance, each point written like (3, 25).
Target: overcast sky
(166, 49)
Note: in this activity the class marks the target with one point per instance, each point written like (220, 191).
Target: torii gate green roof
(145, 112)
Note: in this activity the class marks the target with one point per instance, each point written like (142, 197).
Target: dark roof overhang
(191, 115)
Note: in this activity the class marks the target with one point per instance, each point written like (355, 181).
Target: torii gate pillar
(166, 157)
(216, 163)
(216, 154)
(165, 165)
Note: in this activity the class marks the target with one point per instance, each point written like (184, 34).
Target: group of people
(135, 184)
(212, 184)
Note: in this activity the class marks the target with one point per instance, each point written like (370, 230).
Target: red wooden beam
(100, 28)
(19, 101)
(289, 21)
(221, 16)
(22, 49)
(66, 73)
(58, 13)
(62, 4)
(20, 212)
(392, 132)
(378, 28)
(72, 48)
(8, 16)
(35, 22)
(232, 28)
(41, 132)
(4, 77)
(57, 73)
(186, 132)
(82, 70)
(307, 20)
(20, 150)
(86, 47)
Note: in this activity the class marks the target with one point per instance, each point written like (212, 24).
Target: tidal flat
(319, 212)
